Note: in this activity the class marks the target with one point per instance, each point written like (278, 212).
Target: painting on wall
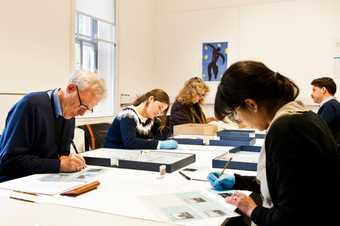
(214, 60)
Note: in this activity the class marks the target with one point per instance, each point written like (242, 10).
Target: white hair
(86, 79)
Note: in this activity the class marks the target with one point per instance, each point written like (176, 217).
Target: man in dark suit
(323, 93)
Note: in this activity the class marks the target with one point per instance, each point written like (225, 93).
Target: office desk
(122, 190)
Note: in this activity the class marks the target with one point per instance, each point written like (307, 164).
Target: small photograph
(56, 177)
(96, 170)
(215, 213)
(181, 213)
(88, 173)
(183, 216)
(193, 200)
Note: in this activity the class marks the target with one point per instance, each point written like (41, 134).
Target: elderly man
(40, 127)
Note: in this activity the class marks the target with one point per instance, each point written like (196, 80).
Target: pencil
(74, 147)
(226, 166)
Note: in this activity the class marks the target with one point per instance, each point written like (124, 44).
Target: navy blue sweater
(330, 112)
(34, 138)
(130, 132)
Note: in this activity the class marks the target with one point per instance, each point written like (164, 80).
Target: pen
(225, 166)
(185, 176)
(74, 146)
(189, 178)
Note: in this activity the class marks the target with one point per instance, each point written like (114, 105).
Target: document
(179, 207)
(51, 184)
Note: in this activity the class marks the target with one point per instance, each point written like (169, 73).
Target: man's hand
(71, 163)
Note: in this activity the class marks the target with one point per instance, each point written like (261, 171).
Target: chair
(95, 135)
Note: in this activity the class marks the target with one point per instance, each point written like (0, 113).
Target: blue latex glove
(223, 182)
(167, 144)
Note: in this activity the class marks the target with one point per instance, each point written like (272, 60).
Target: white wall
(295, 37)
(35, 42)
(103, 9)
(135, 46)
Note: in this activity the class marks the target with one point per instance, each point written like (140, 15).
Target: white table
(20, 213)
(121, 191)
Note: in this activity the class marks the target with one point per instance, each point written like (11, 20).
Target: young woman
(298, 165)
(139, 126)
(186, 108)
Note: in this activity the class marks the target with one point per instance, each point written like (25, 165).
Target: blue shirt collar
(57, 105)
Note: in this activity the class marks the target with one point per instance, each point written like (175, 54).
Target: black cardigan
(302, 166)
(34, 138)
(186, 113)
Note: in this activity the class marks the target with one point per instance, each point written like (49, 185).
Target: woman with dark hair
(298, 165)
(142, 125)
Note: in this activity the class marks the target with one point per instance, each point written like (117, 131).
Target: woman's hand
(243, 202)
(210, 119)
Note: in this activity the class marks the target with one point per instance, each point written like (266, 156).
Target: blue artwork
(214, 60)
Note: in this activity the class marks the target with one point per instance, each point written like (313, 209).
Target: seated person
(323, 93)
(186, 108)
(139, 126)
(298, 157)
(40, 127)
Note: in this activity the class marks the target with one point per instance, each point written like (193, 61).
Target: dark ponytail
(251, 79)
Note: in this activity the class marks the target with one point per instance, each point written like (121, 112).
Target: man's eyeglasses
(81, 104)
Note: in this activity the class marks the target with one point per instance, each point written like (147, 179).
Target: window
(95, 51)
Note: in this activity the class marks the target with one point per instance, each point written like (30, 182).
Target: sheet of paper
(187, 206)
(51, 184)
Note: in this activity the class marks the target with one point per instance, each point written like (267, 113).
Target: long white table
(121, 191)
(20, 213)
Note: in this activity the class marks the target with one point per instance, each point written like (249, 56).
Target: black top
(186, 113)
(34, 138)
(330, 112)
(130, 132)
(302, 167)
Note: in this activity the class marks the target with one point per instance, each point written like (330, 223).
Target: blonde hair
(86, 79)
(193, 87)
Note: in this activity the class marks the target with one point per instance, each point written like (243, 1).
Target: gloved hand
(167, 144)
(223, 182)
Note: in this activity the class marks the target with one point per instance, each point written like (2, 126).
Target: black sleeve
(67, 136)
(128, 131)
(328, 113)
(283, 168)
(179, 114)
(158, 133)
(17, 144)
(246, 183)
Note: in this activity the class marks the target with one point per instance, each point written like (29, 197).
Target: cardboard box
(195, 129)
